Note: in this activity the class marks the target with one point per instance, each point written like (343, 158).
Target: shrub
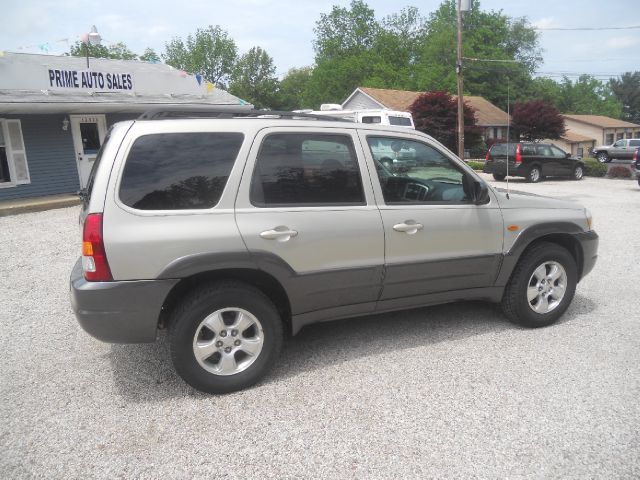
(476, 165)
(593, 168)
(619, 171)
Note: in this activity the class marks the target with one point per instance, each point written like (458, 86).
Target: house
(574, 143)
(492, 120)
(602, 130)
(55, 112)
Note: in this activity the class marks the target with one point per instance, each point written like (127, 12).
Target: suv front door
(436, 238)
(305, 210)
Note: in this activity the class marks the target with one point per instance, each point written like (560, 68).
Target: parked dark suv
(531, 160)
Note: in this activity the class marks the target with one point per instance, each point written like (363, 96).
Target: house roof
(487, 114)
(572, 137)
(601, 121)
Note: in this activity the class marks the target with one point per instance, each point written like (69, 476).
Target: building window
(619, 136)
(609, 140)
(13, 157)
(580, 152)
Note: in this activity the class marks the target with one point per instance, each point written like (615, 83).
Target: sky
(285, 27)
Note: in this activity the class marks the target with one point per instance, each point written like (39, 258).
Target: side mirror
(567, 155)
(480, 192)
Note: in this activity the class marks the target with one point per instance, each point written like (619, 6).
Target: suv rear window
(502, 149)
(178, 171)
(402, 121)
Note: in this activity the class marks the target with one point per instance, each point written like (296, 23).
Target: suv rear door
(436, 238)
(305, 206)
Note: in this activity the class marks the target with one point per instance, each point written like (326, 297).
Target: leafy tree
(116, 51)
(486, 35)
(537, 120)
(436, 113)
(150, 55)
(253, 78)
(589, 96)
(210, 52)
(292, 93)
(627, 91)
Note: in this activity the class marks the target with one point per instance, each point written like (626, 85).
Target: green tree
(627, 91)
(150, 55)
(510, 44)
(253, 78)
(292, 94)
(537, 120)
(116, 51)
(589, 96)
(210, 52)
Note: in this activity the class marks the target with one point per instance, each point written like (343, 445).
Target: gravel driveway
(449, 391)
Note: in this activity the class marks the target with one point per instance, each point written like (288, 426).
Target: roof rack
(231, 111)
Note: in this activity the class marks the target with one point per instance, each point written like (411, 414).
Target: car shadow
(143, 373)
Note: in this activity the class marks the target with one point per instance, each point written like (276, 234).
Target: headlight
(589, 218)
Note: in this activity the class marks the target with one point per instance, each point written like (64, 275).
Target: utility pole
(462, 5)
(459, 74)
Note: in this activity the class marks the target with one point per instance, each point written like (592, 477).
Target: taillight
(518, 154)
(487, 157)
(635, 155)
(94, 259)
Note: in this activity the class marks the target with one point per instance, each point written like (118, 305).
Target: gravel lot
(449, 391)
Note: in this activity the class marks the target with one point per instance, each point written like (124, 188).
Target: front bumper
(120, 311)
(589, 245)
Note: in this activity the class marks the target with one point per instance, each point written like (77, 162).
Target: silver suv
(623, 149)
(229, 231)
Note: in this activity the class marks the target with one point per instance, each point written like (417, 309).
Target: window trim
(287, 206)
(9, 151)
(463, 168)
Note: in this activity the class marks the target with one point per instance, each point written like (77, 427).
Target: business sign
(90, 80)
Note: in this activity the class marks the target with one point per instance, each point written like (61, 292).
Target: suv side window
(557, 152)
(306, 169)
(433, 179)
(619, 143)
(634, 143)
(544, 150)
(178, 171)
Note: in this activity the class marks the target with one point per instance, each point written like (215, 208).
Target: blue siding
(50, 155)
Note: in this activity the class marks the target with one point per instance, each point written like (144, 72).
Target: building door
(88, 133)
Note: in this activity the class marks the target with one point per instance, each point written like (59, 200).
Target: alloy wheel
(546, 287)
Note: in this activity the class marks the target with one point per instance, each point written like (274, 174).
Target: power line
(573, 29)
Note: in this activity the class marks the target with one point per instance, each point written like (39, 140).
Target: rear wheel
(603, 157)
(499, 176)
(534, 175)
(541, 286)
(225, 337)
(578, 172)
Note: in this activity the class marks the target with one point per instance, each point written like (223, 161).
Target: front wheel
(578, 172)
(534, 175)
(541, 287)
(224, 337)
(603, 157)
(499, 176)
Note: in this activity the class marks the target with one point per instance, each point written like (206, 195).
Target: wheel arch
(560, 234)
(259, 279)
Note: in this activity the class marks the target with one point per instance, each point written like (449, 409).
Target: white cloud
(623, 42)
(546, 22)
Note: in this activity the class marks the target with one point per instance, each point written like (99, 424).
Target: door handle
(409, 227)
(281, 234)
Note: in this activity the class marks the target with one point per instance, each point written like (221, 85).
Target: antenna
(508, 135)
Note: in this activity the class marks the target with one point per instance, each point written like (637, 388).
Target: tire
(224, 364)
(518, 302)
(499, 176)
(534, 175)
(603, 157)
(578, 173)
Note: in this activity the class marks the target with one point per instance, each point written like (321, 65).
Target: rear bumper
(121, 311)
(589, 244)
(500, 168)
